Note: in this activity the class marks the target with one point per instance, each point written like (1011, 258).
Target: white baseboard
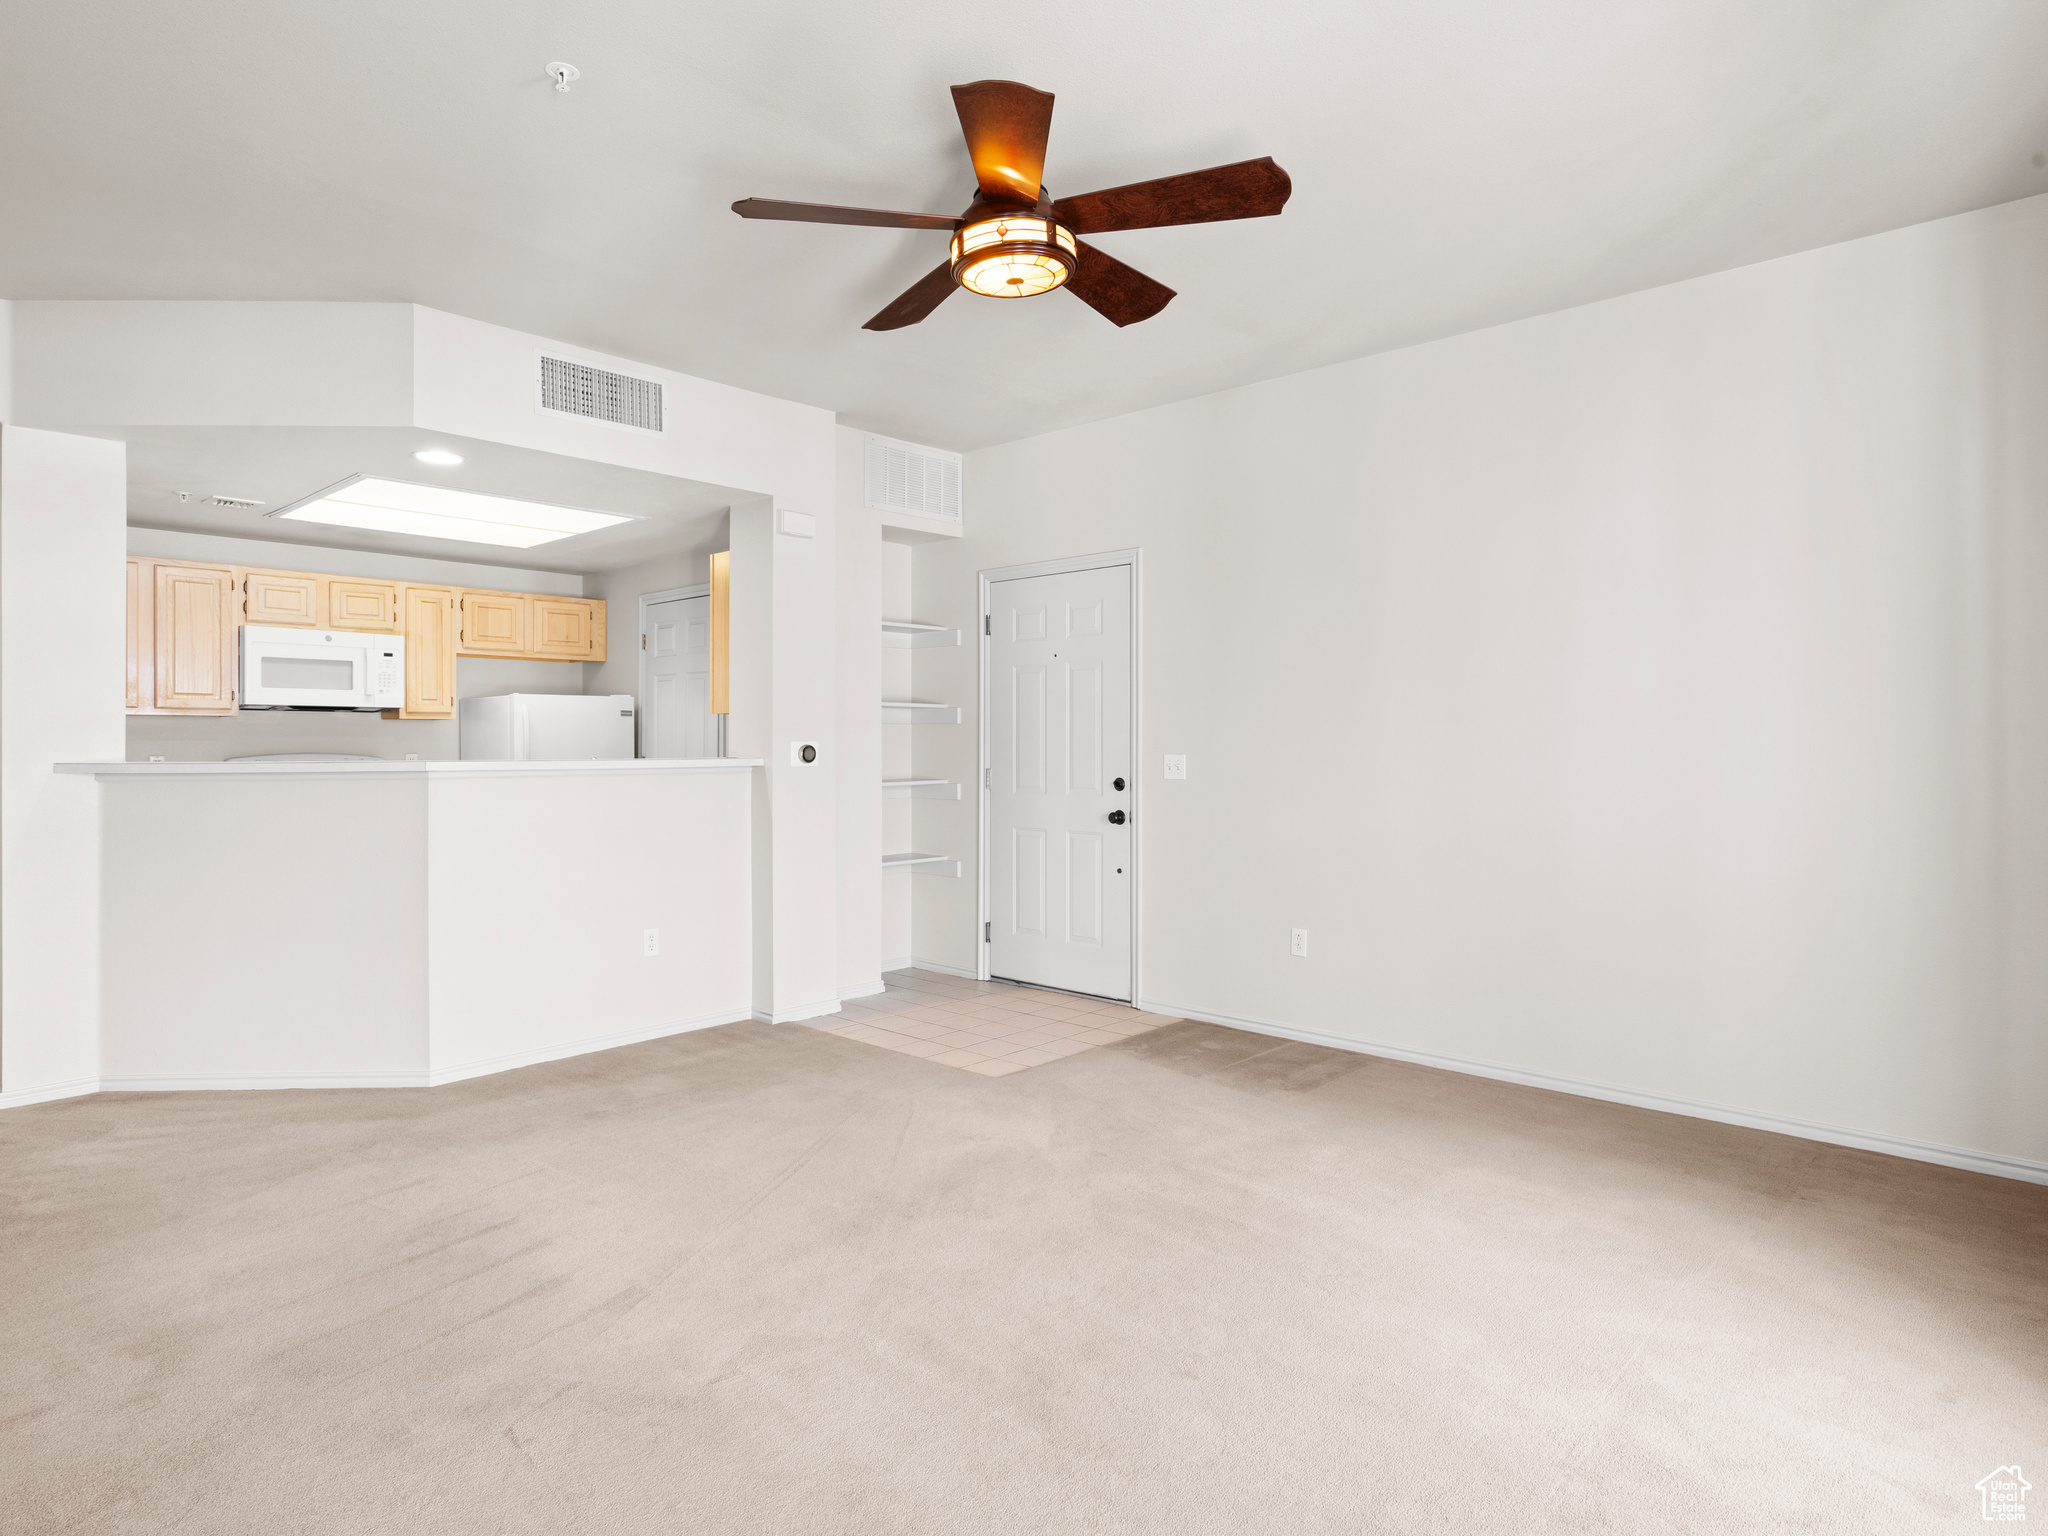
(797, 1014)
(19, 1097)
(1994, 1163)
(873, 988)
(944, 970)
(217, 1081)
(903, 963)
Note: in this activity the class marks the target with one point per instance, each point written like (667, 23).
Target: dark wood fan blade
(1006, 124)
(1250, 189)
(916, 301)
(826, 213)
(1114, 291)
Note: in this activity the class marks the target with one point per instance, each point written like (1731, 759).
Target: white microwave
(320, 669)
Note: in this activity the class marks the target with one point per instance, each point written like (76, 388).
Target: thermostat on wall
(801, 752)
(798, 525)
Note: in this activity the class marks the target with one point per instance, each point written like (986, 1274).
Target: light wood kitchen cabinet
(430, 617)
(566, 628)
(282, 597)
(494, 624)
(194, 632)
(721, 633)
(138, 657)
(362, 605)
(183, 616)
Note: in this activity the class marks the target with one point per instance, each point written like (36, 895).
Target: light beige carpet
(768, 1280)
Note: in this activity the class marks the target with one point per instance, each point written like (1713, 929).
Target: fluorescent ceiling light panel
(439, 512)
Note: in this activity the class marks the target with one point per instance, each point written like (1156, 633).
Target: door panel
(493, 623)
(560, 628)
(281, 597)
(429, 614)
(195, 638)
(1060, 735)
(675, 718)
(362, 605)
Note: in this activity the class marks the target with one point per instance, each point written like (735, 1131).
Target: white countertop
(593, 768)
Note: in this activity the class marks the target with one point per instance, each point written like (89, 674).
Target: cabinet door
(139, 649)
(493, 624)
(195, 638)
(281, 597)
(368, 605)
(562, 628)
(429, 614)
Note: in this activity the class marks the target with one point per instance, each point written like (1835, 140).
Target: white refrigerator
(545, 727)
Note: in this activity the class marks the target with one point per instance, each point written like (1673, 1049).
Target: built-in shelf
(917, 712)
(923, 863)
(905, 635)
(921, 789)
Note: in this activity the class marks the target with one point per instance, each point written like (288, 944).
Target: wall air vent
(596, 394)
(902, 477)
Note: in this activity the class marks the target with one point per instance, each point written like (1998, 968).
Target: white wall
(1651, 695)
(6, 360)
(267, 934)
(183, 362)
(862, 558)
(135, 362)
(334, 933)
(536, 938)
(899, 761)
(61, 669)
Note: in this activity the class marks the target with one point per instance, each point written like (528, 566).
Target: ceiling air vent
(241, 502)
(596, 394)
(902, 477)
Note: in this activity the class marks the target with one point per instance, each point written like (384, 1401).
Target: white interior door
(1060, 754)
(675, 717)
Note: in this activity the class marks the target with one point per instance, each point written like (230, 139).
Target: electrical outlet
(1176, 766)
(1301, 942)
(650, 942)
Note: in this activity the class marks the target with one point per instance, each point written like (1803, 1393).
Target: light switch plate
(1176, 766)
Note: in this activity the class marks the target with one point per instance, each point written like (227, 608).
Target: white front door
(675, 717)
(1059, 798)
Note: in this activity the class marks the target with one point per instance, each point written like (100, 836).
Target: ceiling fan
(1015, 240)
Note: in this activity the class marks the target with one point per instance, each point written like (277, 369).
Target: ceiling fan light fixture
(1013, 256)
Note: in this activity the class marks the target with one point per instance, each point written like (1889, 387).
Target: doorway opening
(675, 676)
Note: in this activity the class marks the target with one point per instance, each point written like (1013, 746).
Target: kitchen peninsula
(354, 924)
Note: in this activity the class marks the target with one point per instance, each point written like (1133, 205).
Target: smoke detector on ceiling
(562, 74)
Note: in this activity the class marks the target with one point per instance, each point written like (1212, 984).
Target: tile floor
(990, 1027)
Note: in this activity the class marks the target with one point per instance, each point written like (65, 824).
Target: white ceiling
(1456, 163)
(279, 465)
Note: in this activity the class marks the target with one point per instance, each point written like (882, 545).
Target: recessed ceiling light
(437, 512)
(437, 456)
